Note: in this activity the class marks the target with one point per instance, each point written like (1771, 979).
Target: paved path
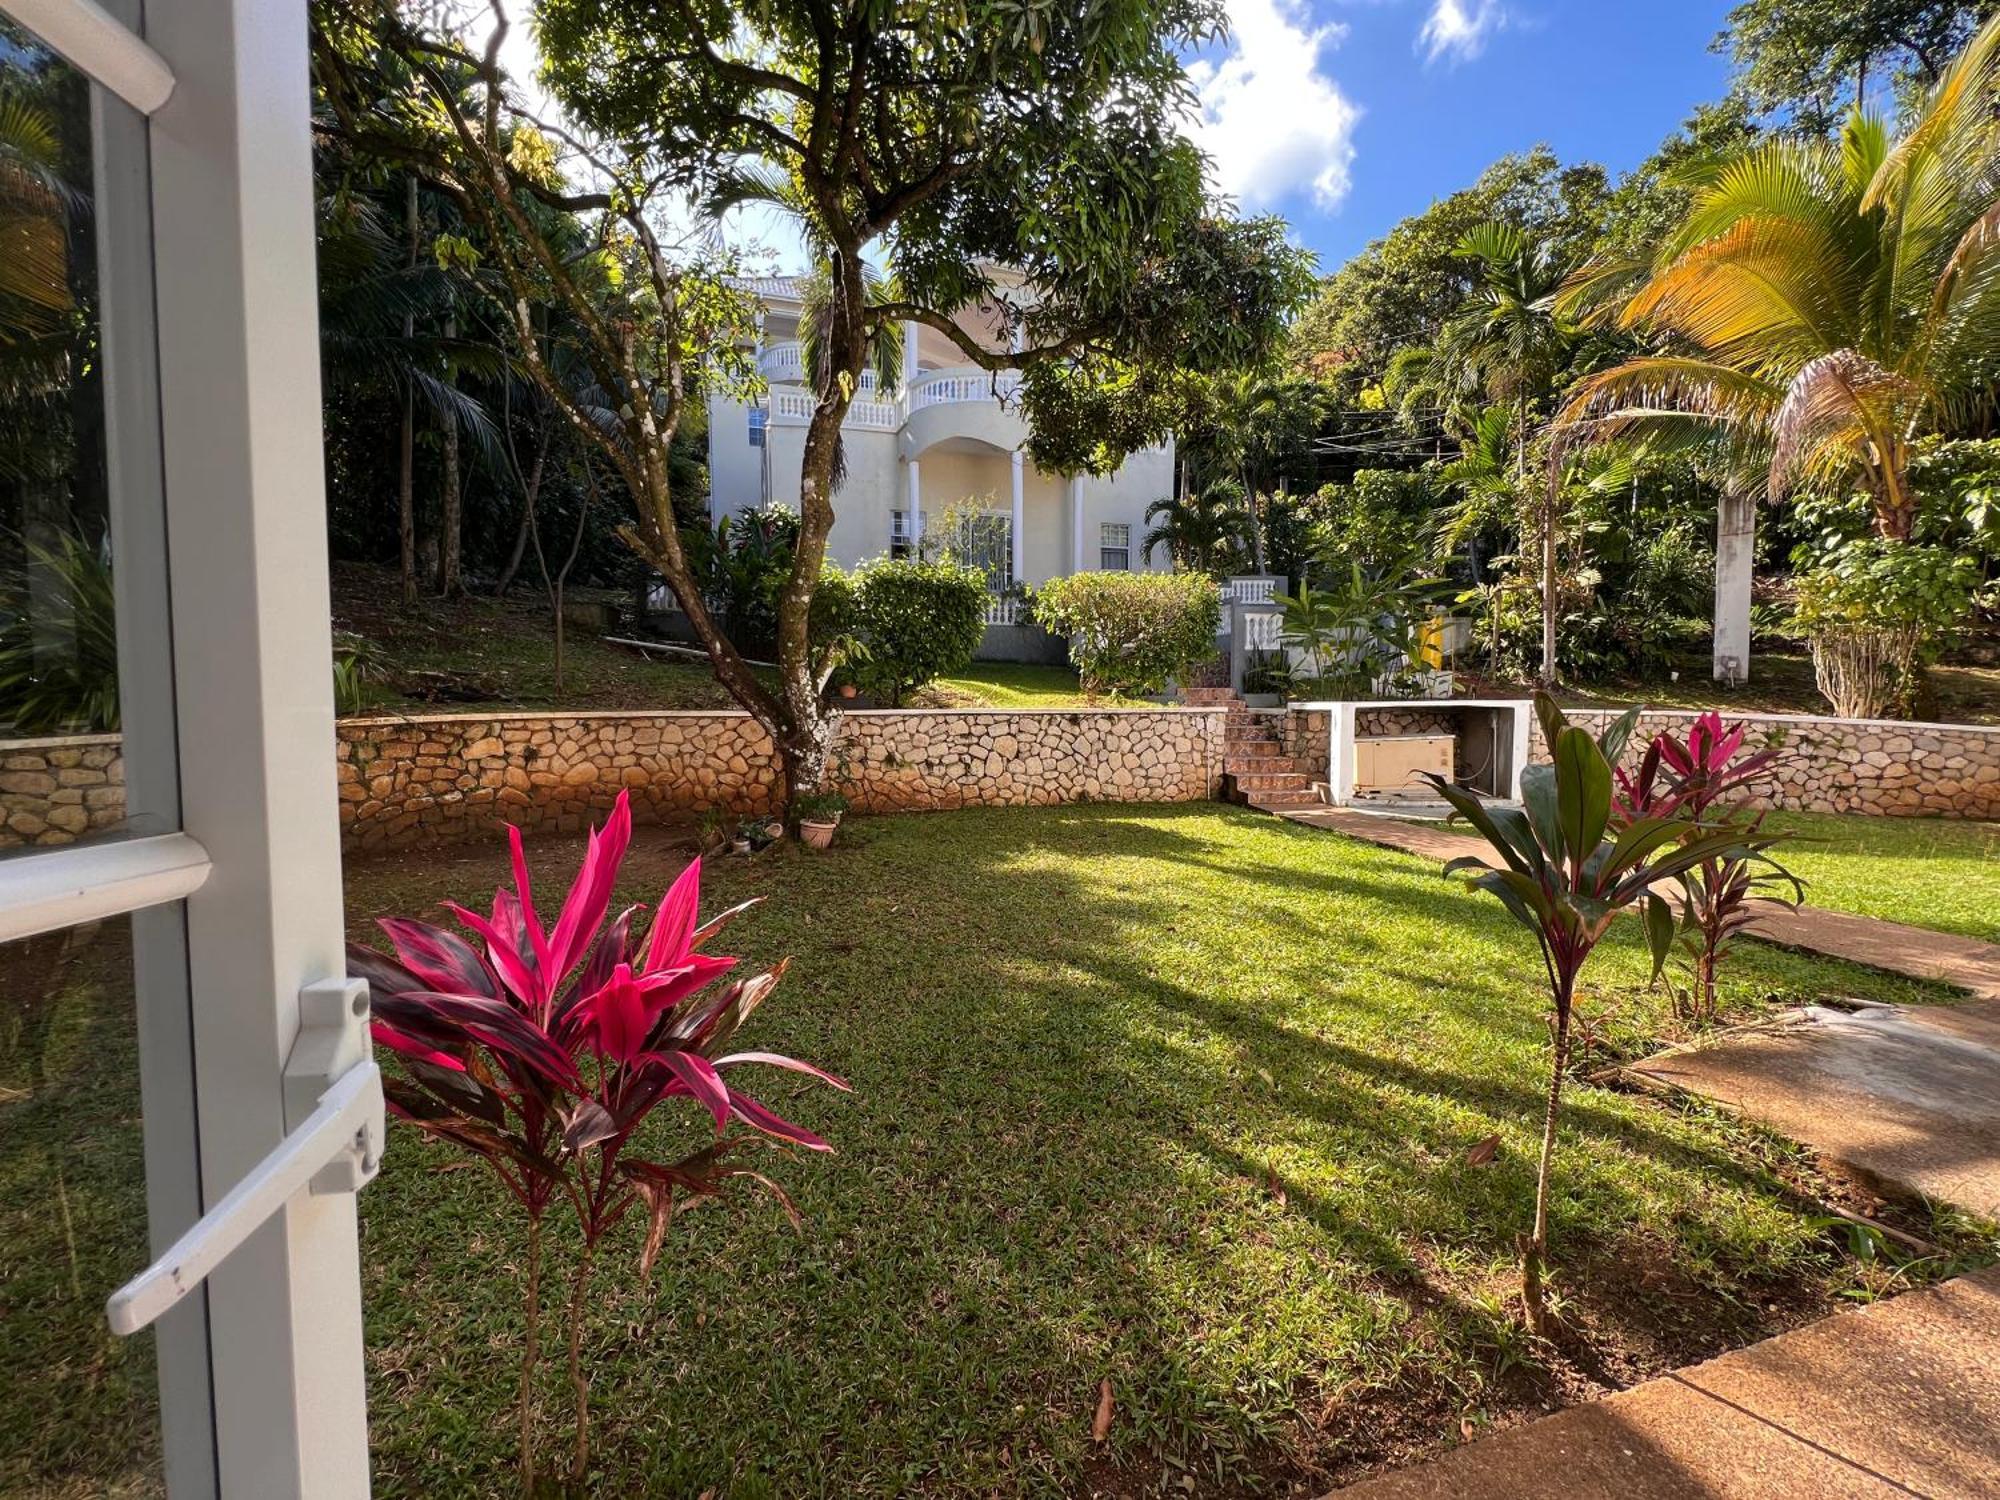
(1898, 1399)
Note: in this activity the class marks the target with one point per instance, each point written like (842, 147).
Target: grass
(1000, 684)
(1929, 872)
(77, 1405)
(1178, 1098)
(479, 654)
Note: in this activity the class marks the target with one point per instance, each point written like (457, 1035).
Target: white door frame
(205, 225)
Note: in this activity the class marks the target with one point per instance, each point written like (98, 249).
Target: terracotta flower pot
(817, 835)
(849, 690)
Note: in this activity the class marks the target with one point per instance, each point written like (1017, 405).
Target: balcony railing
(792, 408)
(785, 364)
(1003, 611)
(971, 384)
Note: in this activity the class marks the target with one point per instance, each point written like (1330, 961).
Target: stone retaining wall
(53, 790)
(1879, 766)
(403, 781)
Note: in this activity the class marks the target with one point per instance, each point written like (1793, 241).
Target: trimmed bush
(1131, 633)
(916, 621)
(1876, 612)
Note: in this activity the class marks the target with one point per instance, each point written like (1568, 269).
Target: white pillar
(1735, 544)
(909, 362)
(1018, 534)
(914, 511)
(1076, 523)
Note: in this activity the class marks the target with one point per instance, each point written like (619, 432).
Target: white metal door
(261, 1111)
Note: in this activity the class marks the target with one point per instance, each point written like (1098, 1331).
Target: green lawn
(1000, 684)
(1929, 872)
(1175, 1098)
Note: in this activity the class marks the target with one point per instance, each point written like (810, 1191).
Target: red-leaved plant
(543, 1052)
(1699, 780)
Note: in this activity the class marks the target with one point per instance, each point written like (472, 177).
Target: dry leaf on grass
(1482, 1152)
(1100, 1425)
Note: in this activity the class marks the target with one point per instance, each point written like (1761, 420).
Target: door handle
(335, 1147)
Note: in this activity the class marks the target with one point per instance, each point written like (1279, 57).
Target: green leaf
(1618, 734)
(1583, 793)
(1538, 796)
(1659, 931)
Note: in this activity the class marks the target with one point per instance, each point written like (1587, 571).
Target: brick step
(1283, 801)
(1213, 698)
(1255, 782)
(1262, 765)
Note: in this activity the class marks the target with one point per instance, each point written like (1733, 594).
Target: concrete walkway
(1901, 1398)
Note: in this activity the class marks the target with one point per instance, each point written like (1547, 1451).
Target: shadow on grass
(1174, 1098)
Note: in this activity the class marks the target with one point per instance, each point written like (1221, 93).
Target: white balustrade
(1003, 611)
(971, 384)
(785, 364)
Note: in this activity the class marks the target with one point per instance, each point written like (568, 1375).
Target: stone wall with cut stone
(405, 781)
(1880, 766)
(54, 790)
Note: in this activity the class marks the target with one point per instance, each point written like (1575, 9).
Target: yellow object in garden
(1430, 643)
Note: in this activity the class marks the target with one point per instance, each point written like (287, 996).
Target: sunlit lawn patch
(1181, 1098)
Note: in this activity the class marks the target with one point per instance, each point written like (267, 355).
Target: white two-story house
(951, 438)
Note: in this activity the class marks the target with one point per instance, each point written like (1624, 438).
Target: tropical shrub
(542, 1052)
(59, 639)
(1875, 612)
(1695, 778)
(1359, 636)
(743, 564)
(916, 621)
(1376, 520)
(1565, 873)
(1132, 633)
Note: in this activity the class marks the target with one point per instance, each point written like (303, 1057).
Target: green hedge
(915, 621)
(1132, 633)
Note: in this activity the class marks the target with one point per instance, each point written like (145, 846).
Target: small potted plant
(819, 815)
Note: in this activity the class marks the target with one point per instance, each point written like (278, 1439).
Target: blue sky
(1347, 115)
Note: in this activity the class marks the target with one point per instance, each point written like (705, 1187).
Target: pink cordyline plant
(543, 1051)
(1700, 780)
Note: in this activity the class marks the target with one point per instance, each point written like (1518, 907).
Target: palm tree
(1204, 531)
(1509, 342)
(1257, 423)
(1824, 304)
(884, 341)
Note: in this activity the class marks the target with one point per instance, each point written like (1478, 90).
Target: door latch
(334, 1124)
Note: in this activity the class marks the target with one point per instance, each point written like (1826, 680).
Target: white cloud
(1459, 28)
(1269, 118)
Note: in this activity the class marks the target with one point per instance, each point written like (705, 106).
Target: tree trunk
(531, 490)
(1534, 1249)
(449, 540)
(579, 1383)
(530, 1349)
(805, 731)
(1549, 593)
(406, 489)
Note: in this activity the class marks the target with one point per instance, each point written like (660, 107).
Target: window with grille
(759, 420)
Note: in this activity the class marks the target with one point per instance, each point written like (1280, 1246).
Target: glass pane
(79, 1408)
(61, 770)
